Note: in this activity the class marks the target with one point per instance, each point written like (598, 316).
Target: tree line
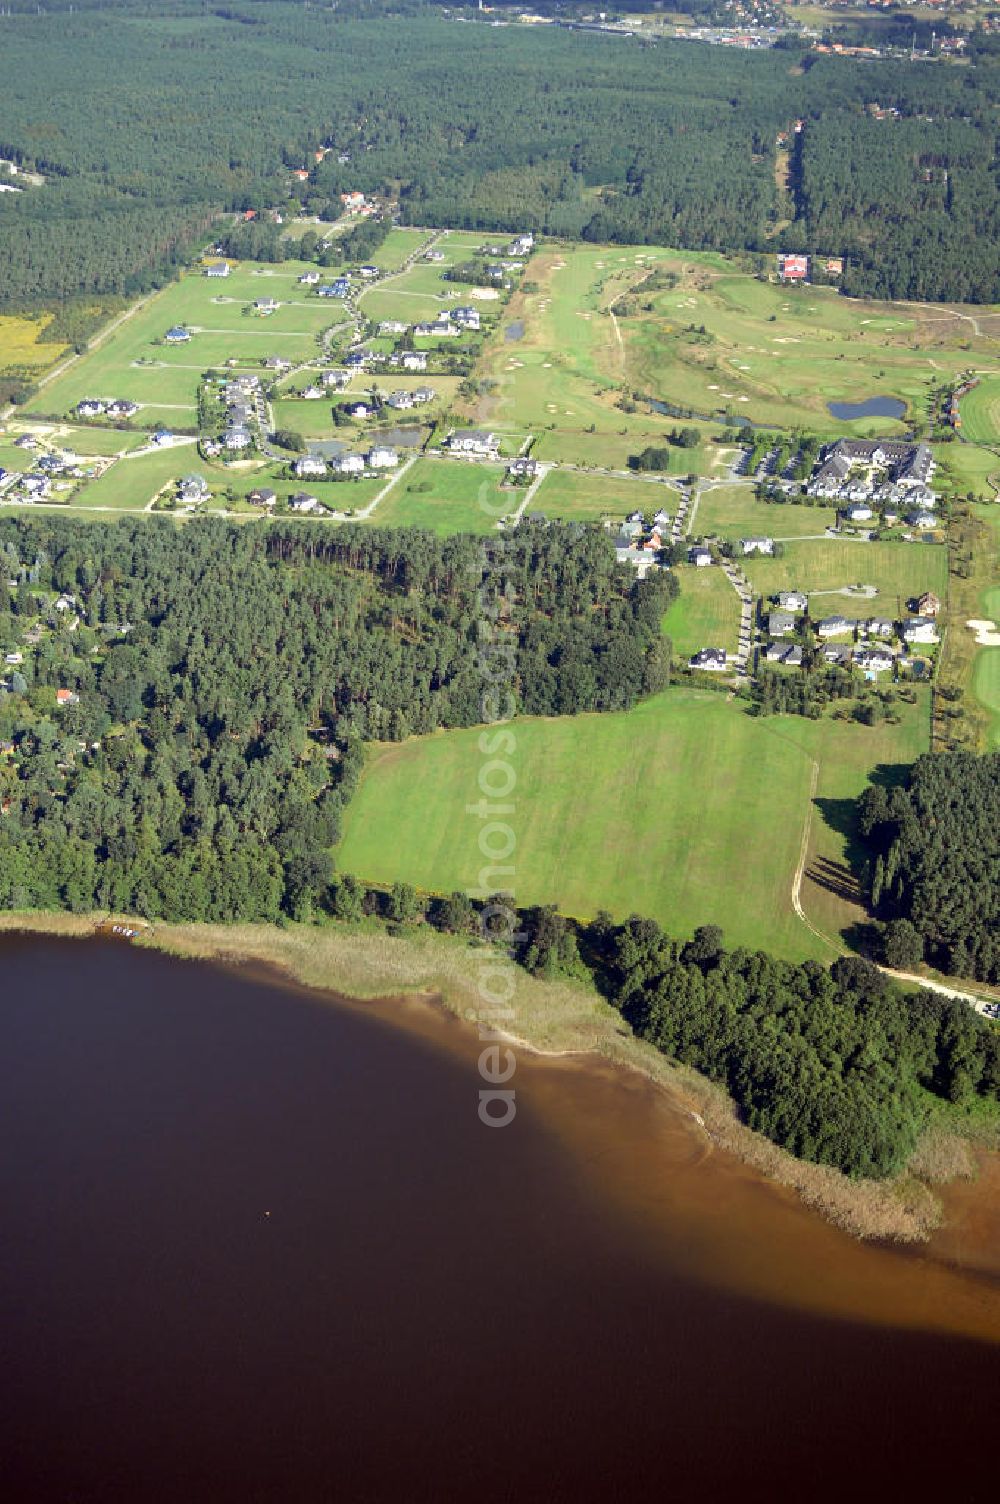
(622, 141)
(935, 863)
(220, 683)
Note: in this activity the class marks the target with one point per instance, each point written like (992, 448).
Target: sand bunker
(987, 635)
(484, 294)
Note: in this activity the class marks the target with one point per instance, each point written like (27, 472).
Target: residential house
(359, 409)
(262, 496)
(176, 335)
(368, 272)
(780, 623)
(859, 513)
(121, 407)
(217, 269)
(277, 363)
(521, 245)
(792, 267)
(392, 326)
(523, 468)
(352, 201)
(440, 329)
(26, 441)
(401, 401)
(303, 502)
(879, 626)
(928, 604)
(193, 488)
(313, 394)
(381, 457)
(920, 629)
(710, 660)
(834, 626)
(66, 697)
(699, 557)
(873, 661)
(162, 437)
(414, 360)
(339, 288)
(336, 379)
(265, 305)
(237, 438)
(13, 659)
(423, 394)
(924, 522)
(789, 654)
(837, 653)
(793, 600)
(474, 443)
(349, 464)
(90, 407)
(309, 464)
(434, 255)
(466, 318)
(757, 546)
(309, 279)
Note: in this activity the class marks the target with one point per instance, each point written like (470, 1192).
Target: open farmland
(685, 808)
(21, 346)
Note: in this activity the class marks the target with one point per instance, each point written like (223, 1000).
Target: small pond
(514, 331)
(872, 407)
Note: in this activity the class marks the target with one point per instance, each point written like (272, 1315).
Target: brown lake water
(589, 1304)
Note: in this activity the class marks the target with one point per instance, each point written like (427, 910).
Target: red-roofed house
(793, 268)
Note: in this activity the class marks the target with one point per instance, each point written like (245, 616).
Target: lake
(255, 1245)
(872, 407)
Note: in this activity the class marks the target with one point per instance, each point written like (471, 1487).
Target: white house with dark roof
(309, 465)
(709, 660)
(474, 443)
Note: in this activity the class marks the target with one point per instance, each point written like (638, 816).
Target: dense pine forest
(217, 684)
(936, 870)
(147, 122)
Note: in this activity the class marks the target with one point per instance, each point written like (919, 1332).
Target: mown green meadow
(706, 614)
(447, 496)
(733, 512)
(686, 809)
(980, 411)
(898, 572)
(577, 496)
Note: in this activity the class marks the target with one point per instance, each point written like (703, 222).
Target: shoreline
(555, 1020)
